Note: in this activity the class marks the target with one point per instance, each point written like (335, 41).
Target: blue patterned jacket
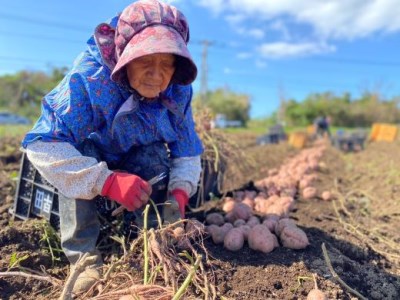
(87, 104)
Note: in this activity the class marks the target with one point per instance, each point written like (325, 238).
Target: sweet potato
(261, 197)
(322, 167)
(246, 230)
(275, 240)
(228, 205)
(242, 211)
(288, 191)
(326, 195)
(249, 202)
(261, 204)
(273, 199)
(179, 232)
(273, 190)
(313, 164)
(293, 237)
(277, 209)
(304, 183)
(234, 239)
(218, 233)
(270, 223)
(261, 239)
(316, 294)
(215, 218)
(239, 222)
(226, 227)
(230, 217)
(309, 192)
(273, 217)
(283, 223)
(253, 221)
(287, 202)
(213, 230)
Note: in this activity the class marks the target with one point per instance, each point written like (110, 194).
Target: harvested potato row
(274, 203)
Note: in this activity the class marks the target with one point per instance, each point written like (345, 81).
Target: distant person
(121, 116)
(321, 125)
(275, 132)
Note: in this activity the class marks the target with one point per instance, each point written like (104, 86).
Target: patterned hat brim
(157, 39)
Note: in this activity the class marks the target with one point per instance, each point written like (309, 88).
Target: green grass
(14, 130)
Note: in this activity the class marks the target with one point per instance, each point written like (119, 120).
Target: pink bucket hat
(148, 27)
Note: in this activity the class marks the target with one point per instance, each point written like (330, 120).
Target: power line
(37, 36)
(24, 59)
(43, 22)
(357, 61)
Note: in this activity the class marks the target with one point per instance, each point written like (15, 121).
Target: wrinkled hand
(129, 190)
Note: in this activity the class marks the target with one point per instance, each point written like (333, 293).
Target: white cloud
(256, 33)
(283, 49)
(244, 55)
(173, 2)
(215, 5)
(236, 20)
(337, 19)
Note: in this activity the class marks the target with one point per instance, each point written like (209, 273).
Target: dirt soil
(360, 230)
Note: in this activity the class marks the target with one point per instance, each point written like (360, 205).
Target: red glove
(129, 190)
(182, 198)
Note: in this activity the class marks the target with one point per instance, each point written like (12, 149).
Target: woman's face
(150, 74)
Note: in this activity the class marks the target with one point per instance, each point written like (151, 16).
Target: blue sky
(268, 49)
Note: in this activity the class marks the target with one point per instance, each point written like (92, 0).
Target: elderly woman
(121, 116)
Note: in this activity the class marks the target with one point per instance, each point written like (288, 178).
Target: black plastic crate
(35, 196)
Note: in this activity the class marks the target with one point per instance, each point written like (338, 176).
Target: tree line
(23, 91)
(344, 110)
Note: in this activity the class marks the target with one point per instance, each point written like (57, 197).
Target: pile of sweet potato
(261, 234)
(261, 217)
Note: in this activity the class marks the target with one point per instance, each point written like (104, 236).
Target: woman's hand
(129, 190)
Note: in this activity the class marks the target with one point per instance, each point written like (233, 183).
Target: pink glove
(129, 190)
(182, 198)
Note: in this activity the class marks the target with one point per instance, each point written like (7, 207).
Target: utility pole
(282, 106)
(204, 71)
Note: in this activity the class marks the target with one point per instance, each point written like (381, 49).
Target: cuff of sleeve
(107, 184)
(103, 180)
(185, 186)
